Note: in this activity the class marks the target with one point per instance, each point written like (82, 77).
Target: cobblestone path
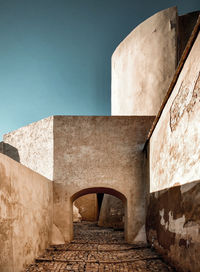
(98, 249)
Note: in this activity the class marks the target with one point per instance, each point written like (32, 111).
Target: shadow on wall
(104, 209)
(112, 212)
(9, 151)
(173, 225)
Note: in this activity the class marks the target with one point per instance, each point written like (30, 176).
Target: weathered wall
(143, 65)
(88, 207)
(26, 204)
(175, 142)
(32, 146)
(112, 212)
(173, 225)
(100, 152)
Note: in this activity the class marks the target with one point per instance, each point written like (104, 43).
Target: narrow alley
(98, 249)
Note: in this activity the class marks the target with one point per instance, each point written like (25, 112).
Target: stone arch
(105, 190)
(92, 152)
(64, 195)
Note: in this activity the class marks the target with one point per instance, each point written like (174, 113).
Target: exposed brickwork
(97, 249)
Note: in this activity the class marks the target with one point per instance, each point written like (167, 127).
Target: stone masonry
(96, 249)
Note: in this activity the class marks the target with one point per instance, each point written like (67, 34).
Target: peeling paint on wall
(173, 225)
(188, 95)
(175, 142)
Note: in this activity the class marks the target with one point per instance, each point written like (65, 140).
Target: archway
(134, 228)
(107, 192)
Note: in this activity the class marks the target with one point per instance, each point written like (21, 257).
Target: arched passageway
(106, 216)
(92, 155)
(134, 208)
(100, 210)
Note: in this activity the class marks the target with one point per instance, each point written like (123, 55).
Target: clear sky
(55, 54)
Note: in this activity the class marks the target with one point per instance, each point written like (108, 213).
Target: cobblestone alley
(98, 249)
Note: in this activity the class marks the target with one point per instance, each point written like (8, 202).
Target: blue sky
(55, 54)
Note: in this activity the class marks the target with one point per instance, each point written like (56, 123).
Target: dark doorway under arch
(100, 197)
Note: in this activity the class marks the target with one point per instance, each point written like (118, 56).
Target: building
(150, 163)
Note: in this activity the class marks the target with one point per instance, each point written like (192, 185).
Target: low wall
(173, 225)
(26, 202)
(32, 146)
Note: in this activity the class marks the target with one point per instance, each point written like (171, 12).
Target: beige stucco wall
(143, 65)
(34, 146)
(100, 152)
(88, 207)
(175, 143)
(26, 205)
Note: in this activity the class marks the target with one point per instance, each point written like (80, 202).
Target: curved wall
(143, 65)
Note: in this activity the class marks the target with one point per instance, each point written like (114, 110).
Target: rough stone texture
(88, 207)
(184, 102)
(87, 152)
(26, 204)
(32, 146)
(112, 212)
(102, 154)
(175, 142)
(173, 225)
(143, 65)
(97, 250)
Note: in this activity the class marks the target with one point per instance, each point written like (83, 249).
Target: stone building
(146, 154)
